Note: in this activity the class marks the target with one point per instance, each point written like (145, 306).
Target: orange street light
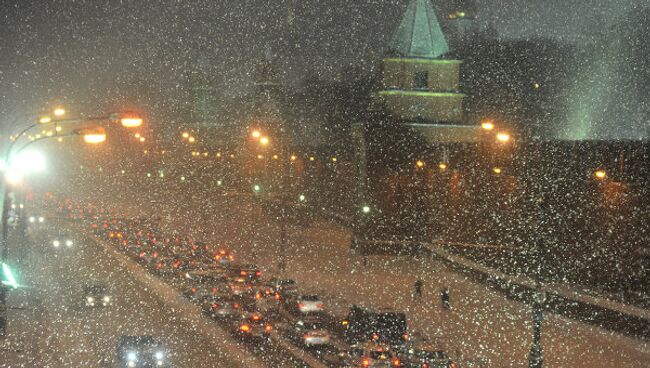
(45, 120)
(419, 164)
(600, 174)
(496, 170)
(503, 137)
(256, 134)
(131, 121)
(142, 139)
(442, 166)
(185, 135)
(191, 139)
(487, 125)
(293, 157)
(264, 141)
(137, 135)
(93, 135)
(59, 111)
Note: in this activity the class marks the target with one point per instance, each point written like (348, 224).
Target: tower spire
(419, 34)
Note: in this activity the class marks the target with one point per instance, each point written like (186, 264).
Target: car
(307, 304)
(363, 324)
(36, 219)
(140, 351)
(219, 306)
(249, 272)
(414, 358)
(252, 325)
(96, 295)
(240, 288)
(310, 333)
(371, 355)
(224, 257)
(287, 288)
(62, 240)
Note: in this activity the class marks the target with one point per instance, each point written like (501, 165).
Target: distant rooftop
(419, 34)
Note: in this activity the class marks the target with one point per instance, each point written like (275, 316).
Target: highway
(82, 337)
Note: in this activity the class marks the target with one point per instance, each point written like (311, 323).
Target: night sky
(91, 53)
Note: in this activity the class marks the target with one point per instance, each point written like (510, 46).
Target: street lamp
(419, 164)
(365, 209)
(503, 137)
(185, 135)
(600, 174)
(93, 136)
(264, 141)
(256, 134)
(59, 111)
(487, 125)
(45, 120)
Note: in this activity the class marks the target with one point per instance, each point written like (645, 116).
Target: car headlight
(56, 243)
(159, 355)
(131, 356)
(32, 219)
(68, 243)
(106, 299)
(90, 299)
(41, 219)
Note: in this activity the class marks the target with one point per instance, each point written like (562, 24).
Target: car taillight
(216, 306)
(159, 265)
(425, 365)
(301, 305)
(365, 362)
(277, 296)
(155, 255)
(242, 273)
(453, 365)
(258, 296)
(406, 337)
(396, 362)
(142, 254)
(268, 328)
(214, 290)
(320, 305)
(245, 328)
(256, 318)
(235, 305)
(258, 273)
(193, 290)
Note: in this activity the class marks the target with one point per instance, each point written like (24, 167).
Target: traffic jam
(252, 306)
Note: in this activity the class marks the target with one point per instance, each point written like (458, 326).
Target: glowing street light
(45, 120)
(442, 166)
(503, 137)
(419, 164)
(600, 174)
(293, 157)
(142, 139)
(302, 198)
(264, 141)
(496, 170)
(365, 209)
(59, 111)
(93, 135)
(487, 125)
(191, 139)
(256, 134)
(131, 121)
(185, 135)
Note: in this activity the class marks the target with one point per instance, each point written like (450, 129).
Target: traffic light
(8, 277)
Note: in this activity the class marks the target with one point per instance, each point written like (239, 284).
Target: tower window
(421, 80)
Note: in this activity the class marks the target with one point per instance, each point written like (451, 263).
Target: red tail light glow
(193, 290)
(258, 273)
(236, 306)
(216, 306)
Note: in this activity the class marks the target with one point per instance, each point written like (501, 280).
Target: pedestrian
(417, 289)
(444, 295)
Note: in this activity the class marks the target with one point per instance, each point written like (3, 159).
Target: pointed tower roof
(419, 34)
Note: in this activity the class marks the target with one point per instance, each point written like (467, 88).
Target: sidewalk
(483, 325)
